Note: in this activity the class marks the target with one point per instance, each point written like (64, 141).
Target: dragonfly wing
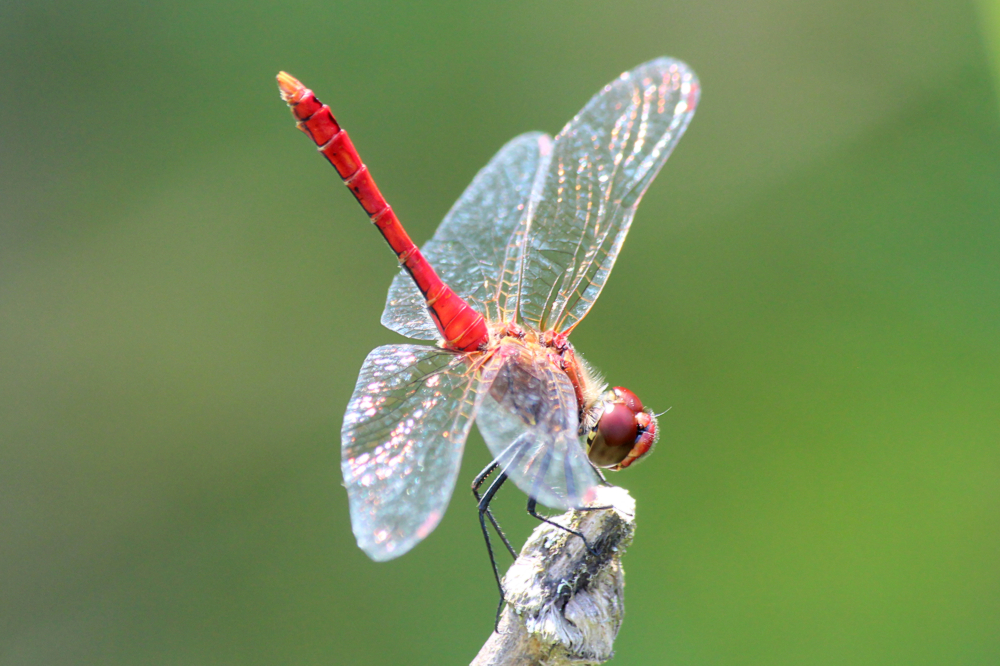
(603, 161)
(469, 248)
(529, 420)
(402, 442)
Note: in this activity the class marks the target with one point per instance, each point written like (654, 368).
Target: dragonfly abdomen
(462, 328)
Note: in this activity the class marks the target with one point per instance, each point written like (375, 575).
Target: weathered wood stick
(565, 604)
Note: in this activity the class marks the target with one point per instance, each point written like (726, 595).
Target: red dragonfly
(514, 267)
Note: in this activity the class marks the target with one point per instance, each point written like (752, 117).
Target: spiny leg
(476, 484)
(484, 507)
(532, 504)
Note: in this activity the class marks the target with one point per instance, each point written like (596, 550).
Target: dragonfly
(514, 267)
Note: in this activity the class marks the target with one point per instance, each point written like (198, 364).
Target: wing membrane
(529, 420)
(469, 248)
(402, 442)
(603, 161)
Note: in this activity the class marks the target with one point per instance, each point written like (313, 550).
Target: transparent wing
(402, 442)
(529, 420)
(603, 161)
(469, 248)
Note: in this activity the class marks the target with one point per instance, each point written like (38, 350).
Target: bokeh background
(187, 293)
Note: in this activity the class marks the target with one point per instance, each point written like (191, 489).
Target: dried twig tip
(565, 604)
(292, 90)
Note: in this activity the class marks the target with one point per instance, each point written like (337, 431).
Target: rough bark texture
(565, 605)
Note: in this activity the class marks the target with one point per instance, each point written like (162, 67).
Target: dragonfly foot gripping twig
(565, 605)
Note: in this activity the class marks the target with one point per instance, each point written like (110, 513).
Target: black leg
(476, 484)
(484, 507)
(534, 514)
(592, 508)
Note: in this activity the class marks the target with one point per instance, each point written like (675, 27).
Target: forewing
(529, 420)
(603, 161)
(469, 248)
(402, 442)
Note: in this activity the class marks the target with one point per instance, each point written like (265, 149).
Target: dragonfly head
(624, 430)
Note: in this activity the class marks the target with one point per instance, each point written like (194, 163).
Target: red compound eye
(617, 426)
(616, 433)
(625, 431)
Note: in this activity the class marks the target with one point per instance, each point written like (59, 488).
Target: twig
(565, 604)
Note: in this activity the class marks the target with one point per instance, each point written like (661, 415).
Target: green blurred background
(187, 293)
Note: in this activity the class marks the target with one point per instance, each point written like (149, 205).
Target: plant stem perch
(566, 604)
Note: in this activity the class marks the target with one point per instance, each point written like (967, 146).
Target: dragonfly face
(623, 430)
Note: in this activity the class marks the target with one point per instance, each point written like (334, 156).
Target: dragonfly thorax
(587, 384)
(618, 428)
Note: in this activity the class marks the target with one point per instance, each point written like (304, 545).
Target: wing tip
(379, 545)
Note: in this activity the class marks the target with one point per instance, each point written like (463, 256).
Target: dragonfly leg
(532, 504)
(476, 485)
(484, 507)
(592, 508)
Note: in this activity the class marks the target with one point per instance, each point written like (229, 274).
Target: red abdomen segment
(462, 327)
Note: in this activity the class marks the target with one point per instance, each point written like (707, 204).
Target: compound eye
(617, 426)
(627, 398)
(616, 434)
